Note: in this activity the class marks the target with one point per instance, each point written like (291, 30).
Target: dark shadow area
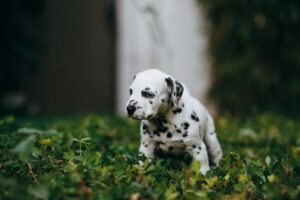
(57, 57)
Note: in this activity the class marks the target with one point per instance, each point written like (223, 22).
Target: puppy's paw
(141, 163)
(148, 161)
(204, 169)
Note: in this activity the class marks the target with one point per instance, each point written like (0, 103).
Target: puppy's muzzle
(130, 110)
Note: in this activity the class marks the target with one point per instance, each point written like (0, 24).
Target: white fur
(199, 135)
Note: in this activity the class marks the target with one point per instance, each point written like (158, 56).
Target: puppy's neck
(159, 118)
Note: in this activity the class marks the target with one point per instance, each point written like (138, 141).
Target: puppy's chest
(169, 135)
(165, 132)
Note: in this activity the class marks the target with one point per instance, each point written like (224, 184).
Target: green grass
(95, 157)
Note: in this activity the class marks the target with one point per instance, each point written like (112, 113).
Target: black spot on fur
(178, 130)
(159, 122)
(178, 110)
(179, 89)
(144, 126)
(155, 132)
(185, 135)
(199, 148)
(151, 102)
(146, 145)
(134, 77)
(194, 117)
(212, 133)
(194, 146)
(185, 125)
(171, 148)
(198, 152)
(164, 129)
(170, 82)
(145, 129)
(169, 135)
(130, 91)
(163, 100)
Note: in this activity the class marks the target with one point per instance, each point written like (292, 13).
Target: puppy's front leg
(199, 152)
(147, 147)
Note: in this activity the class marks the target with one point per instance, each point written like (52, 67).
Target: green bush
(93, 157)
(255, 46)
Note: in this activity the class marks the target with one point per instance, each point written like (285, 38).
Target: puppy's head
(152, 92)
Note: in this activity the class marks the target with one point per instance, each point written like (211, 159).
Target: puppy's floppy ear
(176, 90)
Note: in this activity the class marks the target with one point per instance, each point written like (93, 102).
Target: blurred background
(75, 56)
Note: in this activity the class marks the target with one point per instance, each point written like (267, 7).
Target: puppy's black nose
(131, 110)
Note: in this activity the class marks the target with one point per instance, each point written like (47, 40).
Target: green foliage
(254, 46)
(95, 157)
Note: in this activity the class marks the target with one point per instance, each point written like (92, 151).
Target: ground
(96, 157)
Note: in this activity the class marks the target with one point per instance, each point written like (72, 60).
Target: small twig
(31, 173)
(51, 161)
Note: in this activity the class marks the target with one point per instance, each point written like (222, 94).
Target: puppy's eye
(147, 94)
(130, 91)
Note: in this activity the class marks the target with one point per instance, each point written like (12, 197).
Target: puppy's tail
(212, 143)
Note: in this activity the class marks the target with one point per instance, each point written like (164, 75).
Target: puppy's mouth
(142, 117)
(135, 117)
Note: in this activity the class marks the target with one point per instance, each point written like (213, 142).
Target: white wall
(163, 34)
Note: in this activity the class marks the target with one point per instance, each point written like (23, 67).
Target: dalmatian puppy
(171, 119)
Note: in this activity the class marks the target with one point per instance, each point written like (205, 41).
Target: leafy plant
(254, 46)
(96, 157)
